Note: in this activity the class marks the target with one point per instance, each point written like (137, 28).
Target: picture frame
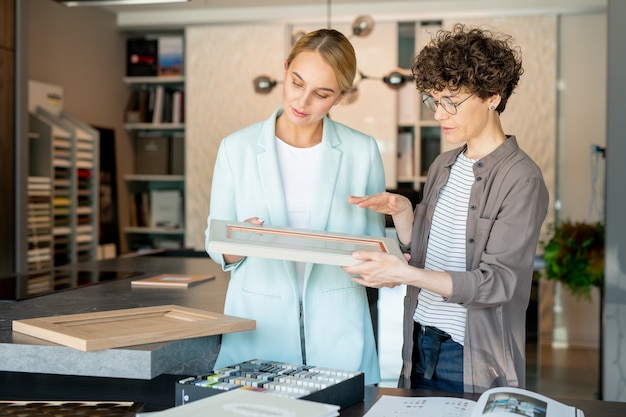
(294, 244)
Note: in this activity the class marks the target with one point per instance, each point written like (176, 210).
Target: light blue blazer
(247, 183)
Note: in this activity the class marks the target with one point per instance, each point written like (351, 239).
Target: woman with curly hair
(472, 238)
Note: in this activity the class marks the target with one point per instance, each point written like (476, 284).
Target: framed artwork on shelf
(294, 244)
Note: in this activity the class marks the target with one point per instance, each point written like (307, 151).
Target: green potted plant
(574, 256)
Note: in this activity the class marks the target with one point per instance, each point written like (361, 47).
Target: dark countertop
(23, 353)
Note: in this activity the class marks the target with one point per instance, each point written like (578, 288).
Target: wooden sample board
(130, 327)
(171, 280)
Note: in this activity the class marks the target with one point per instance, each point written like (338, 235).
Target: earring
(492, 107)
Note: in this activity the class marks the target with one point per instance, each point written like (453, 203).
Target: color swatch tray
(326, 385)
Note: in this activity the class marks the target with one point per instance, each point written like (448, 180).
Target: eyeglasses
(445, 101)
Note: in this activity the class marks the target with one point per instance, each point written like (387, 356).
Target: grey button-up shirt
(508, 204)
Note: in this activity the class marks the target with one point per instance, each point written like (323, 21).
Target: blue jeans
(446, 365)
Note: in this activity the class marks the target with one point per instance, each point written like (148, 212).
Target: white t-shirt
(298, 169)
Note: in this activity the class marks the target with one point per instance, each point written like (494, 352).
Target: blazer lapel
(272, 183)
(269, 173)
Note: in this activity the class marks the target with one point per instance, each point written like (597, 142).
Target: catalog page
(496, 402)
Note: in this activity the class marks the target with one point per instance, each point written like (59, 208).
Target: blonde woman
(297, 168)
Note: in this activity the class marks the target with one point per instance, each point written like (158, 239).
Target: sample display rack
(63, 190)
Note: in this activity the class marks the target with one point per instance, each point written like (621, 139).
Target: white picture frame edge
(219, 242)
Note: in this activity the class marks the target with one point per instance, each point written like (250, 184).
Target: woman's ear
(494, 101)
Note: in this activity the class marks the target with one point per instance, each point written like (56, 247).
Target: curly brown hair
(470, 58)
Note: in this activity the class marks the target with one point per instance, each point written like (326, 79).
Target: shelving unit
(156, 188)
(419, 134)
(63, 188)
(145, 230)
(86, 169)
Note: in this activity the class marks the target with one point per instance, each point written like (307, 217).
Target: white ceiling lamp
(75, 3)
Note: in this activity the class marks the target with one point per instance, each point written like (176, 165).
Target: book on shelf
(495, 402)
(405, 154)
(141, 57)
(170, 55)
(144, 207)
(247, 402)
(166, 110)
(140, 209)
(140, 105)
(145, 111)
(159, 97)
(178, 106)
(166, 209)
(134, 219)
(156, 104)
(132, 112)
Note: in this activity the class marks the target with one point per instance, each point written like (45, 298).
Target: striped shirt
(446, 250)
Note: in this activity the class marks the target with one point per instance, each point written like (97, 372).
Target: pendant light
(362, 26)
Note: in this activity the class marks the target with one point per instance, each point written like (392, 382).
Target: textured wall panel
(530, 114)
(375, 110)
(222, 61)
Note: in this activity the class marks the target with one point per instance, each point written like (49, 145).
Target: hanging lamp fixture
(362, 26)
(263, 84)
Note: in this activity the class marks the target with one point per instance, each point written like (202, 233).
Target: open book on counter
(496, 402)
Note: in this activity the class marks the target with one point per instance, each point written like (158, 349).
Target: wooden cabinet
(7, 136)
(7, 24)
